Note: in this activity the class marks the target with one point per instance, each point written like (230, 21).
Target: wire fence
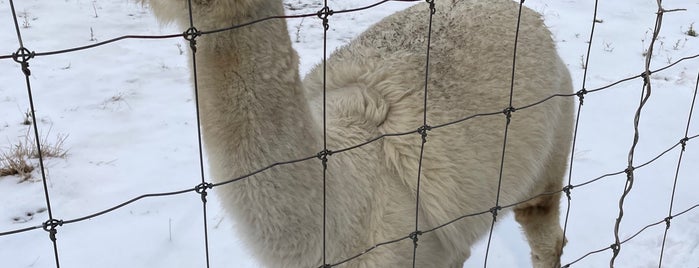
(24, 55)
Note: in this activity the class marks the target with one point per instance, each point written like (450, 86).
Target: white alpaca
(256, 111)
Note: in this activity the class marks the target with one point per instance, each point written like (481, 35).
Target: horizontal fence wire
(383, 136)
(187, 35)
(23, 55)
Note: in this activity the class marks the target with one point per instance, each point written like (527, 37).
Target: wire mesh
(23, 56)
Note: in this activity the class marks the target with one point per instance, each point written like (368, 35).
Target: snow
(128, 111)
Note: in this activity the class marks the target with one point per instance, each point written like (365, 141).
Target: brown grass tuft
(16, 161)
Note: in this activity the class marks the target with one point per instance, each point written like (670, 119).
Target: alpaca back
(375, 86)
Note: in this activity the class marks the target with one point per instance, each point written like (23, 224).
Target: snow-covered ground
(127, 110)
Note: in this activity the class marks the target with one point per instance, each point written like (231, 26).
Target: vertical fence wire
(423, 131)
(645, 96)
(508, 117)
(190, 35)
(581, 96)
(677, 172)
(22, 56)
(324, 15)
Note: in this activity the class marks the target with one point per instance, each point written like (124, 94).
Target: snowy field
(126, 115)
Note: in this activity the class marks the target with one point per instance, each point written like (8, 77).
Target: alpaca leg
(540, 220)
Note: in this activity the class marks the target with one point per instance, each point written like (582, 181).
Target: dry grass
(691, 32)
(15, 163)
(17, 160)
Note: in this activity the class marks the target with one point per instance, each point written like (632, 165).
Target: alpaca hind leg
(540, 220)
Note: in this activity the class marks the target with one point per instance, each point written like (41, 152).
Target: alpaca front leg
(539, 219)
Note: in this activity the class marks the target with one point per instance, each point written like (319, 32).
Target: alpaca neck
(254, 111)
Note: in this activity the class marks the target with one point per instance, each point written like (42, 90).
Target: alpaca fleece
(256, 110)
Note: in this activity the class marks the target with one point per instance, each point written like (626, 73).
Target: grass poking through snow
(19, 159)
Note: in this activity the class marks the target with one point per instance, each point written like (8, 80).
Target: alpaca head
(168, 11)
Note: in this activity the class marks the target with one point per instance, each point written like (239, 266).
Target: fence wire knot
(567, 190)
(414, 236)
(423, 132)
(615, 248)
(201, 189)
(581, 95)
(667, 222)
(494, 210)
(22, 56)
(323, 156)
(190, 35)
(508, 112)
(683, 142)
(432, 8)
(629, 171)
(323, 14)
(646, 76)
(50, 226)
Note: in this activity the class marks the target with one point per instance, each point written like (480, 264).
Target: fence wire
(683, 142)
(190, 35)
(23, 56)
